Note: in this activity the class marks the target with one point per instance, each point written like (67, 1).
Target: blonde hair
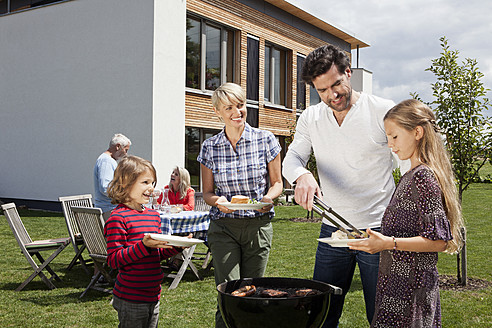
(228, 93)
(184, 181)
(431, 151)
(125, 175)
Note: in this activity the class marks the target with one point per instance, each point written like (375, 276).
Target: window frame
(8, 4)
(225, 32)
(271, 100)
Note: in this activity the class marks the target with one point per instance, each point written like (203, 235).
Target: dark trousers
(136, 315)
(240, 249)
(336, 265)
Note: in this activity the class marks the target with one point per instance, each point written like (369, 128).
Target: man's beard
(345, 105)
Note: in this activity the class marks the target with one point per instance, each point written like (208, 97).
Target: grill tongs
(322, 209)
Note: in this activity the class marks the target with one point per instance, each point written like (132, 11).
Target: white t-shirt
(354, 161)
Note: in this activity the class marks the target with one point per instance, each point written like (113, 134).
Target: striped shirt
(240, 172)
(139, 271)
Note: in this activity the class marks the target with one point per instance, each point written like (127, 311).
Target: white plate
(176, 240)
(338, 242)
(252, 206)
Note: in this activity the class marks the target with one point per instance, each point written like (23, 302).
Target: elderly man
(354, 164)
(104, 169)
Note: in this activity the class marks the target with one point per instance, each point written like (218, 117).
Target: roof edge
(330, 28)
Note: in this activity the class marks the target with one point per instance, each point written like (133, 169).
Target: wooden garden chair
(91, 224)
(73, 230)
(30, 248)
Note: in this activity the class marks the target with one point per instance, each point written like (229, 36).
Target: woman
(179, 190)
(239, 160)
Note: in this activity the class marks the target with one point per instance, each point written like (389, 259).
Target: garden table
(183, 223)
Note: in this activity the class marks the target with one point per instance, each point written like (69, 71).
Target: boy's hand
(190, 235)
(152, 243)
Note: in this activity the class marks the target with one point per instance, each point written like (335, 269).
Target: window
(301, 86)
(253, 69)
(194, 138)
(275, 75)
(209, 54)
(252, 115)
(313, 96)
(192, 53)
(16, 5)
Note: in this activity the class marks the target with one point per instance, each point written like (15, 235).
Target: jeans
(336, 265)
(136, 315)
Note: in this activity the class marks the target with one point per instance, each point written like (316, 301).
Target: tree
(460, 99)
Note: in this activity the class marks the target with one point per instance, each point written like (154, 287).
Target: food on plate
(244, 291)
(273, 293)
(239, 199)
(339, 234)
(176, 209)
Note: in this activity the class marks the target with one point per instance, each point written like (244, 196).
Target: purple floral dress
(408, 290)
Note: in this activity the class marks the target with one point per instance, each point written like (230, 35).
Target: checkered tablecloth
(183, 222)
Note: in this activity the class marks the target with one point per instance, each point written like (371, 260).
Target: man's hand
(306, 188)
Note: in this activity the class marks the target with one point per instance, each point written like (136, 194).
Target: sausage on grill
(244, 291)
(273, 293)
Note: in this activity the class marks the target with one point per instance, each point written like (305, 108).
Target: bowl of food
(275, 302)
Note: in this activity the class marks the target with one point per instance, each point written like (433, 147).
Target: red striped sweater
(139, 271)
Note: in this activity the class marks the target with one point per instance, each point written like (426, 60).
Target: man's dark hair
(320, 60)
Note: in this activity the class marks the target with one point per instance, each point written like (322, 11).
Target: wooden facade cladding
(199, 112)
(248, 21)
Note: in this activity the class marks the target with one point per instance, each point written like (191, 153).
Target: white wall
(361, 80)
(168, 124)
(72, 75)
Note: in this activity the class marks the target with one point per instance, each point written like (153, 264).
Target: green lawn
(486, 170)
(193, 303)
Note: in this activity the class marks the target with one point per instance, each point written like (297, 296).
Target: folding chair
(73, 230)
(30, 247)
(91, 222)
(200, 204)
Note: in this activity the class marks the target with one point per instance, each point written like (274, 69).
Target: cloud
(404, 37)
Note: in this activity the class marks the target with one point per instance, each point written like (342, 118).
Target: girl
(137, 257)
(422, 218)
(240, 160)
(179, 189)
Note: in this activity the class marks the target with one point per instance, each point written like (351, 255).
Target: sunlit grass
(193, 303)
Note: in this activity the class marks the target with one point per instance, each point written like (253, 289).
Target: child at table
(422, 218)
(137, 257)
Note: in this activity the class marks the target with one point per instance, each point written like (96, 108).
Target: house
(75, 72)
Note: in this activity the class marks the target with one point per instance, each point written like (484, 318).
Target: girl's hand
(222, 208)
(152, 243)
(266, 208)
(377, 242)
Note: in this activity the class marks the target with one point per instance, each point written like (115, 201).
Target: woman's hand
(153, 243)
(222, 208)
(266, 208)
(377, 242)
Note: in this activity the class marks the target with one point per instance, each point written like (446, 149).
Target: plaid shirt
(240, 172)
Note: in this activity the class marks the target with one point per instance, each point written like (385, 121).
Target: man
(346, 133)
(104, 170)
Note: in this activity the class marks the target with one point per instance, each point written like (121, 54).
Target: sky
(404, 38)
